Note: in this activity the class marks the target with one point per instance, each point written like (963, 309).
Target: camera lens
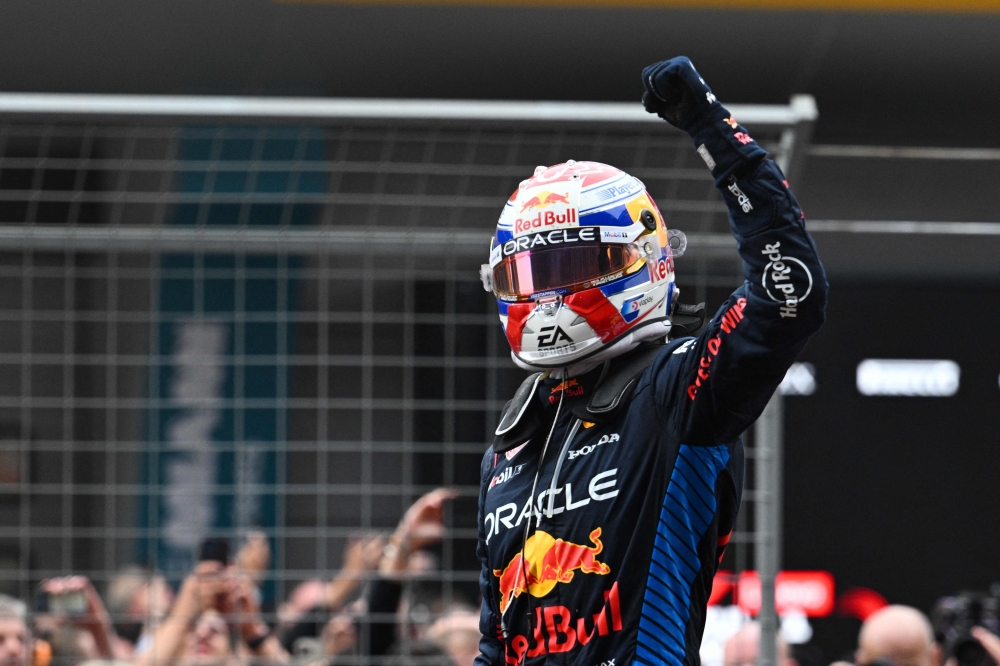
(968, 652)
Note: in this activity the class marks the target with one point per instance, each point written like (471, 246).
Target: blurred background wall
(880, 76)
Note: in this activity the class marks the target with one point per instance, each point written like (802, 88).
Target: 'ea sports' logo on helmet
(551, 336)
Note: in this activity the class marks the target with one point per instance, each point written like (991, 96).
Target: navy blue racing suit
(633, 513)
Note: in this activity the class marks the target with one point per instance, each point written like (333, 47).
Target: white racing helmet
(581, 260)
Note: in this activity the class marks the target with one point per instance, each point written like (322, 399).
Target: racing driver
(613, 482)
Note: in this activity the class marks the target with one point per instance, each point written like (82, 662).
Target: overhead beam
(921, 6)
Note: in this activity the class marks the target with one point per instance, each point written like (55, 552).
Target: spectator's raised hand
(256, 634)
(95, 618)
(304, 597)
(246, 610)
(361, 556)
(422, 523)
(206, 587)
(67, 585)
(421, 526)
(254, 556)
(989, 641)
(371, 552)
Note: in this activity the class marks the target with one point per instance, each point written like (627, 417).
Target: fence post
(768, 447)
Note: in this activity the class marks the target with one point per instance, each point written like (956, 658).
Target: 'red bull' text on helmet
(581, 258)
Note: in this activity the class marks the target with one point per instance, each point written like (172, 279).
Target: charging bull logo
(543, 199)
(548, 561)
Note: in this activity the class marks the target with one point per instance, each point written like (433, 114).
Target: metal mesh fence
(208, 328)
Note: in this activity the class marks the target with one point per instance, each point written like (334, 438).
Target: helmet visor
(578, 266)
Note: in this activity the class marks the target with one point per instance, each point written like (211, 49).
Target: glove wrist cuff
(722, 142)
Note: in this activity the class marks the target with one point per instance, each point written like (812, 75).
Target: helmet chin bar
(553, 332)
(652, 330)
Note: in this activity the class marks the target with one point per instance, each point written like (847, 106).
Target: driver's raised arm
(724, 378)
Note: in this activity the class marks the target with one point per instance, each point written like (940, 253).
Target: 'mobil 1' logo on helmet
(549, 206)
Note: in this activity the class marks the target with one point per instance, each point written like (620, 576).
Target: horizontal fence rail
(473, 244)
(801, 109)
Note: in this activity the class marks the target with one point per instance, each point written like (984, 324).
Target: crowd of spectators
(361, 616)
(892, 636)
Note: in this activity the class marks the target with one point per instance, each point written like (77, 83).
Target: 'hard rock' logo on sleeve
(786, 280)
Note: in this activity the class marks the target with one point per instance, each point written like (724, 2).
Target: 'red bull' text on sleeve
(726, 376)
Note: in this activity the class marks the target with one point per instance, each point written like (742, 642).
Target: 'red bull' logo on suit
(547, 562)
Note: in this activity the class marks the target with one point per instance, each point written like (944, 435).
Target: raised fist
(675, 91)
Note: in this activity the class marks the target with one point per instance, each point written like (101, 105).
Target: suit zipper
(559, 461)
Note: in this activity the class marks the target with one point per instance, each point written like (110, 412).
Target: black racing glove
(675, 91)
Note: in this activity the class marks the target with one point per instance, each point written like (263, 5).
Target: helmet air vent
(648, 219)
